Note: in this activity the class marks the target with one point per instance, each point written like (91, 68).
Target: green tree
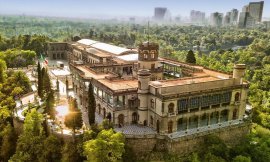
(40, 86)
(108, 146)
(191, 57)
(70, 152)
(91, 105)
(49, 107)
(3, 67)
(73, 119)
(8, 146)
(52, 149)
(46, 82)
(30, 146)
(241, 158)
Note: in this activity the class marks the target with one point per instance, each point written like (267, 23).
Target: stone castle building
(136, 86)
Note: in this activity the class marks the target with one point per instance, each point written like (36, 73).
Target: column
(219, 116)
(187, 127)
(209, 115)
(199, 121)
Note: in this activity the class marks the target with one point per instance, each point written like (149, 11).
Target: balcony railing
(171, 114)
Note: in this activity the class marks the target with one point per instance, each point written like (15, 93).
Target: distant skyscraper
(245, 8)
(216, 19)
(242, 19)
(251, 14)
(227, 19)
(161, 13)
(255, 10)
(197, 16)
(234, 16)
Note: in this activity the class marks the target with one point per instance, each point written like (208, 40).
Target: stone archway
(104, 113)
(134, 118)
(157, 126)
(170, 126)
(145, 123)
(237, 97)
(182, 124)
(109, 117)
(121, 120)
(234, 117)
(99, 109)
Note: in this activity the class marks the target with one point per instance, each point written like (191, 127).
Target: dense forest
(23, 38)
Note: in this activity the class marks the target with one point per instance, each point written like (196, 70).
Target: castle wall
(187, 144)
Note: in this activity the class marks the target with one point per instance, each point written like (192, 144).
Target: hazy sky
(90, 8)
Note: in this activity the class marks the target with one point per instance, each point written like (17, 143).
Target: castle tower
(239, 72)
(143, 89)
(240, 96)
(148, 59)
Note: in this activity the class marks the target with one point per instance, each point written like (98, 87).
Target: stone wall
(142, 145)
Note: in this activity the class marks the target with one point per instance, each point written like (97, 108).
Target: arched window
(237, 96)
(109, 117)
(170, 126)
(151, 120)
(152, 55)
(99, 109)
(157, 126)
(121, 120)
(182, 124)
(152, 103)
(204, 120)
(234, 114)
(145, 56)
(171, 108)
(134, 118)
(139, 85)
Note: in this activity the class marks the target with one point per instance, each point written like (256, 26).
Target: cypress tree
(40, 86)
(46, 81)
(91, 105)
(191, 57)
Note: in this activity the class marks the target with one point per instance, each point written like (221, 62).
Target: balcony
(237, 103)
(171, 114)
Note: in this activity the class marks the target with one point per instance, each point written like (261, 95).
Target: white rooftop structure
(130, 57)
(110, 48)
(87, 42)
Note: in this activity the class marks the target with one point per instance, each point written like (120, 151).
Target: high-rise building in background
(216, 19)
(255, 10)
(234, 16)
(245, 8)
(197, 16)
(251, 14)
(161, 13)
(227, 19)
(242, 19)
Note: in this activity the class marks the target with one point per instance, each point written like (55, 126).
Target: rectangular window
(95, 90)
(205, 101)
(194, 103)
(227, 97)
(182, 105)
(100, 93)
(215, 99)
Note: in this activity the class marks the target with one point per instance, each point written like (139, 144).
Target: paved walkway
(135, 130)
(204, 129)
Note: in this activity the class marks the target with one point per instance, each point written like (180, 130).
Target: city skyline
(106, 8)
